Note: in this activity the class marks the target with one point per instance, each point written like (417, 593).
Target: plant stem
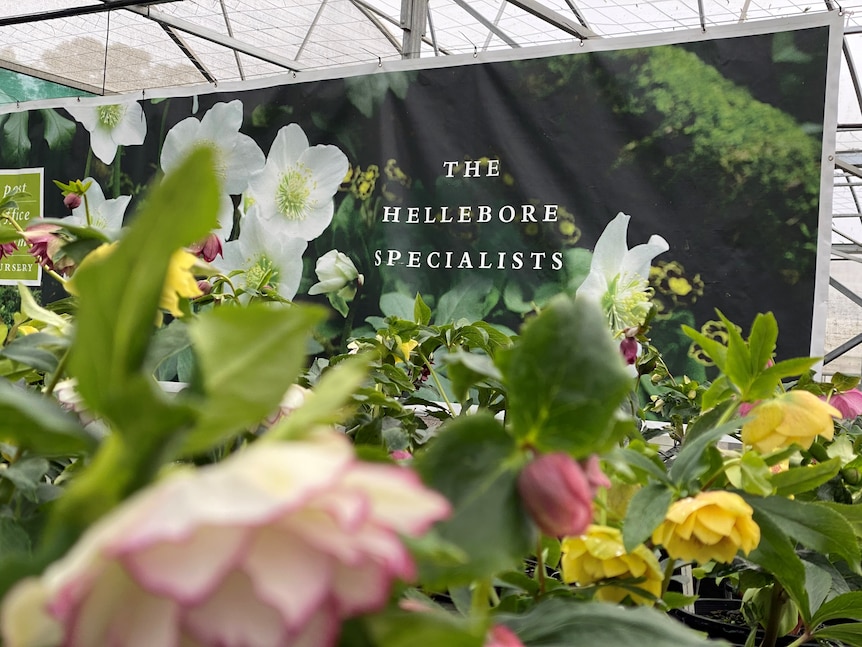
(55, 378)
(668, 574)
(540, 565)
(479, 605)
(776, 601)
(436, 379)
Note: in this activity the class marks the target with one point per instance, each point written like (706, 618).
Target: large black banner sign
(483, 184)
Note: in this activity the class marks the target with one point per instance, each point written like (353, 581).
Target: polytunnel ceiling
(109, 46)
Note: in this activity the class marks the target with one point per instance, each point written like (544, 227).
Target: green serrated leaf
(31, 421)
(566, 380)
(242, 383)
(738, 365)
(692, 460)
(777, 555)
(814, 526)
(761, 341)
(559, 622)
(15, 144)
(804, 478)
(751, 474)
(115, 316)
(59, 131)
(847, 634)
(765, 384)
(715, 350)
(421, 311)
(843, 382)
(646, 511)
(472, 463)
(847, 606)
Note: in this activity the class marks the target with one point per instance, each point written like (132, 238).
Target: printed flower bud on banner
(558, 493)
(274, 546)
(599, 554)
(795, 417)
(712, 525)
(334, 271)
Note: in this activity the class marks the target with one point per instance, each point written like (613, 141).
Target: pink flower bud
(205, 286)
(595, 476)
(629, 348)
(72, 201)
(208, 248)
(7, 249)
(557, 494)
(400, 455)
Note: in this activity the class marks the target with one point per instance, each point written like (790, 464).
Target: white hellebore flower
(294, 192)
(265, 257)
(618, 278)
(334, 271)
(237, 156)
(119, 124)
(105, 215)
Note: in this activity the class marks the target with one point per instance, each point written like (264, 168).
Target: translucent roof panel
(162, 43)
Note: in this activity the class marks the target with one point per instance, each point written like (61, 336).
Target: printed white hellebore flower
(334, 271)
(294, 192)
(105, 215)
(618, 278)
(120, 124)
(237, 156)
(265, 257)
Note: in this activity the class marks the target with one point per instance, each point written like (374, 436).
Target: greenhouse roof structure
(57, 48)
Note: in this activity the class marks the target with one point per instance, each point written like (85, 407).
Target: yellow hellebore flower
(712, 525)
(599, 555)
(795, 417)
(179, 283)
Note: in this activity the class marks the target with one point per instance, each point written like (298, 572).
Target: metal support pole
(413, 19)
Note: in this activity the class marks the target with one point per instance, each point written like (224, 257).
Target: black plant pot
(715, 617)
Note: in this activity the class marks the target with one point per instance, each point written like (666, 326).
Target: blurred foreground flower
(599, 555)
(712, 525)
(795, 417)
(274, 546)
(502, 636)
(618, 278)
(558, 493)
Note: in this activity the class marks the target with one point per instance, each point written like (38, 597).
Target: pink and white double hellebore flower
(274, 546)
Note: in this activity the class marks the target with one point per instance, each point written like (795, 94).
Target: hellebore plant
(427, 484)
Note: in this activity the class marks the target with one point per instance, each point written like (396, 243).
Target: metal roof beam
(487, 23)
(552, 17)
(185, 49)
(216, 37)
(107, 5)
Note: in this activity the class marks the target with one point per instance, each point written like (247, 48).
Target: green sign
(26, 187)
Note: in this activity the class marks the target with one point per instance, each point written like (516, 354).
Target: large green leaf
(119, 295)
(37, 423)
(803, 479)
(59, 131)
(429, 628)
(475, 464)
(812, 525)
(566, 379)
(571, 623)
(848, 634)
(471, 299)
(847, 606)
(761, 341)
(248, 358)
(693, 460)
(776, 554)
(646, 511)
(15, 143)
(851, 513)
